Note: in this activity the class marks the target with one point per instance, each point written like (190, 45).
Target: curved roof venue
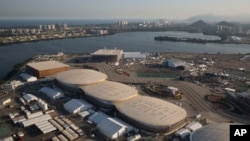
(152, 114)
(212, 132)
(109, 92)
(72, 79)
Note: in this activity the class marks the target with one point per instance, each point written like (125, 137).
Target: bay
(128, 41)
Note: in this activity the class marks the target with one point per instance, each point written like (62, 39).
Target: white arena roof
(108, 52)
(110, 91)
(46, 65)
(212, 132)
(151, 111)
(80, 77)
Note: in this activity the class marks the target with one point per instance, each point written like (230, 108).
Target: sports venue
(107, 55)
(72, 80)
(146, 113)
(212, 132)
(46, 68)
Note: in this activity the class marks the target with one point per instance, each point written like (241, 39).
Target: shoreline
(156, 38)
(50, 39)
(16, 68)
(194, 40)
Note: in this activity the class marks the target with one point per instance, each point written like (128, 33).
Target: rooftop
(110, 91)
(108, 52)
(212, 132)
(46, 65)
(152, 111)
(80, 77)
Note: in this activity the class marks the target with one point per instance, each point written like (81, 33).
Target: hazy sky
(120, 9)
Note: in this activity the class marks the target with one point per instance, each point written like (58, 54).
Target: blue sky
(120, 9)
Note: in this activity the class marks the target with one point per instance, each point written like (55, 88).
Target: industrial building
(110, 127)
(152, 114)
(51, 93)
(98, 117)
(113, 128)
(29, 97)
(71, 80)
(76, 105)
(107, 55)
(105, 93)
(134, 55)
(212, 132)
(28, 78)
(45, 68)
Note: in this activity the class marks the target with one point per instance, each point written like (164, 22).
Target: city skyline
(117, 9)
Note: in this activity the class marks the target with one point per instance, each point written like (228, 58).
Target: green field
(5, 131)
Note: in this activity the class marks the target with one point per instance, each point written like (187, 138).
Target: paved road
(195, 94)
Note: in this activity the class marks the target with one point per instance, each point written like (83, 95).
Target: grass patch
(5, 131)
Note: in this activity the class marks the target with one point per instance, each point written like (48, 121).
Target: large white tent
(113, 128)
(51, 93)
(77, 105)
(28, 78)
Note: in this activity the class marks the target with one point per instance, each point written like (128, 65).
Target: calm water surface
(130, 41)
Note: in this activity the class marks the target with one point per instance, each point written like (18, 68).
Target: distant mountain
(210, 18)
(199, 24)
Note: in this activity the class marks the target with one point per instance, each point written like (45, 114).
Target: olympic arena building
(147, 113)
(212, 132)
(72, 80)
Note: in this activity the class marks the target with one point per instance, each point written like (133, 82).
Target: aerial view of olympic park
(123, 79)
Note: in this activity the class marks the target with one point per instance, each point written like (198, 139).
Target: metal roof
(29, 97)
(110, 91)
(52, 93)
(152, 111)
(108, 52)
(80, 77)
(46, 65)
(77, 105)
(98, 117)
(113, 128)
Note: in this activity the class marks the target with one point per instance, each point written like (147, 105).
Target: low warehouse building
(29, 97)
(98, 117)
(28, 78)
(51, 93)
(113, 128)
(134, 55)
(105, 93)
(152, 114)
(46, 68)
(76, 105)
(72, 80)
(107, 55)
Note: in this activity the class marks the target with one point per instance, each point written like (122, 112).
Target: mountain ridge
(210, 18)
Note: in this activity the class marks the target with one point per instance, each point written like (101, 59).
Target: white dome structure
(71, 80)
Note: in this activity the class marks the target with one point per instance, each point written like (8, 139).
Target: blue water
(130, 41)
